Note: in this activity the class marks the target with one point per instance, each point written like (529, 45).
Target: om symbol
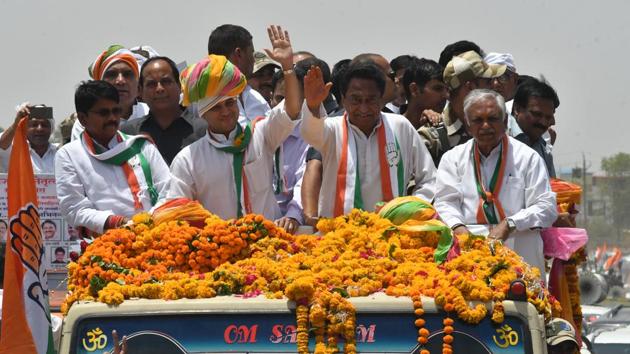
(96, 339)
(507, 337)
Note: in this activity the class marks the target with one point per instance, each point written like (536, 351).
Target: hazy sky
(581, 47)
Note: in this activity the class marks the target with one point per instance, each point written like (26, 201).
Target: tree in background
(617, 188)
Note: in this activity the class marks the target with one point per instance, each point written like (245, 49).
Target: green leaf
(341, 292)
(97, 284)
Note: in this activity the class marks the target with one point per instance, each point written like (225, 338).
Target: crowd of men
(280, 134)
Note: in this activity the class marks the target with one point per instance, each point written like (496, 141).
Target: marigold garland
(359, 254)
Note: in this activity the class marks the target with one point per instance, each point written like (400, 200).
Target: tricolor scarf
(238, 150)
(128, 155)
(489, 203)
(348, 191)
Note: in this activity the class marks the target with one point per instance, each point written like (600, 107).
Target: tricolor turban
(112, 55)
(211, 81)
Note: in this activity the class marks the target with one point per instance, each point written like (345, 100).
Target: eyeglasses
(503, 79)
(106, 112)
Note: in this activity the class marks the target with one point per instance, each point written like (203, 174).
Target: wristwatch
(511, 225)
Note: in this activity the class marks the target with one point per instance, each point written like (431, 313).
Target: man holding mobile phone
(39, 128)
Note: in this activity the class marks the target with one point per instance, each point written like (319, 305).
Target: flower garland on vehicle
(359, 254)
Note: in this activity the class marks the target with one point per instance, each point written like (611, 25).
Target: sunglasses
(106, 112)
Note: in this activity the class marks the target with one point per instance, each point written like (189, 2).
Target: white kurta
(325, 135)
(204, 173)
(526, 195)
(89, 190)
(41, 164)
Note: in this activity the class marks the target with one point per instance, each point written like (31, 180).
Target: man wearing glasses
(106, 176)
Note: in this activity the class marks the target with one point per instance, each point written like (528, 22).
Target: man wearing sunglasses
(106, 176)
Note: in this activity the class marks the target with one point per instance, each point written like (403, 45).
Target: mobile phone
(42, 112)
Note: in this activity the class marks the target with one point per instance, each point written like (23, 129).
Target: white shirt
(204, 173)
(41, 164)
(252, 104)
(89, 190)
(325, 135)
(138, 110)
(526, 195)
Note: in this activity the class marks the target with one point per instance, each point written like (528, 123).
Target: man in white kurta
(96, 194)
(407, 157)
(525, 194)
(230, 170)
(202, 172)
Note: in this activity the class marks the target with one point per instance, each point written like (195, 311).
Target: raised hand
(282, 51)
(315, 90)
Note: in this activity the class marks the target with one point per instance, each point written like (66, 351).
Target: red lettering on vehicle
(240, 334)
(366, 334)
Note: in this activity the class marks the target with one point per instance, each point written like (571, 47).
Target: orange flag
(26, 326)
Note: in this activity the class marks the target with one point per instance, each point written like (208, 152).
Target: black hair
(277, 77)
(60, 249)
(170, 63)
(421, 71)
(523, 78)
(535, 88)
(226, 38)
(338, 72)
(89, 92)
(458, 48)
(401, 62)
(363, 70)
(302, 67)
(48, 221)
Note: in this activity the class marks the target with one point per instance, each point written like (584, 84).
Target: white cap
(501, 59)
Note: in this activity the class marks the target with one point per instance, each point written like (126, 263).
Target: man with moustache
(495, 185)
(535, 104)
(39, 128)
(105, 177)
(118, 66)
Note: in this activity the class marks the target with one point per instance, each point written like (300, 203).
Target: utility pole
(584, 192)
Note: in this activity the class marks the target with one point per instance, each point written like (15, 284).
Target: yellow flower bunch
(356, 255)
